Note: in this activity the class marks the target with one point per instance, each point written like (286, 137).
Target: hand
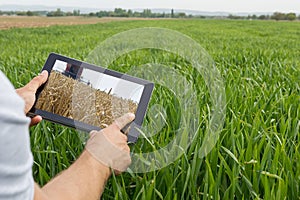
(109, 146)
(27, 93)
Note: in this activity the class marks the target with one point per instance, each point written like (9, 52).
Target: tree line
(147, 13)
(275, 16)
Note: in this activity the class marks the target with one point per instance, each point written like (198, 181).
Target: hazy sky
(202, 5)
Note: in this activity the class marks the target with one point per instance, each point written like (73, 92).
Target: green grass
(258, 153)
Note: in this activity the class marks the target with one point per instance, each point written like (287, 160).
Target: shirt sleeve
(16, 181)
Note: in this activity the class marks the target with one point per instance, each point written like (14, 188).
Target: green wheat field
(258, 153)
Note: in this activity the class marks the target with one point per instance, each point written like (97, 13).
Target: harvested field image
(79, 101)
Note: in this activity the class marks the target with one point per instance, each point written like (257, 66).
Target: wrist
(95, 165)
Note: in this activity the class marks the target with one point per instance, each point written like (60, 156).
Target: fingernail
(44, 72)
(131, 115)
(93, 133)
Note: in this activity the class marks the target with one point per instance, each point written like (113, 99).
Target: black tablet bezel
(141, 109)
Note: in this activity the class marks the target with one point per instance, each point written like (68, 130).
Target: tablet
(89, 97)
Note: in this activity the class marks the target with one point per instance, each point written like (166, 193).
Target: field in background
(257, 155)
(7, 22)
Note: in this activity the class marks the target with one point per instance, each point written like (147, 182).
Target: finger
(124, 138)
(126, 148)
(37, 81)
(93, 133)
(35, 120)
(121, 122)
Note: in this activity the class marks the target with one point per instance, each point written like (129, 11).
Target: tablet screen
(89, 95)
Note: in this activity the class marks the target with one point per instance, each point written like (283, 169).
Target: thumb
(37, 81)
(121, 122)
(35, 120)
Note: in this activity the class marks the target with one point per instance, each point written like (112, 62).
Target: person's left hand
(27, 93)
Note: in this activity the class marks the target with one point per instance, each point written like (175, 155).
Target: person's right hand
(27, 93)
(109, 146)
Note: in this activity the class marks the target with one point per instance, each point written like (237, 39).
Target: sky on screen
(201, 5)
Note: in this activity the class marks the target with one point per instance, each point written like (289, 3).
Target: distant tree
(172, 13)
(146, 13)
(76, 12)
(91, 14)
(199, 16)
(102, 14)
(181, 15)
(251, 17)
(7, 13)
(278, 16)
(119, 12)
(282, 16)
(130, 13)
(262, 17)
(137, 14)
(69, 13)
(30, 13)
(40, 13)
(299, 17)
(21, 13)
(111, 14)
(231, 16)
(161, 15)
(57, 13)
(49, 14)
(291, 16)
(167, 15)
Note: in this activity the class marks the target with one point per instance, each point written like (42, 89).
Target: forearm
(85, 179)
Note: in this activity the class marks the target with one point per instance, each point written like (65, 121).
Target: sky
(201, 5)
(119, 87)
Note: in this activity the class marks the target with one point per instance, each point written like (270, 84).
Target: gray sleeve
(16, 181)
